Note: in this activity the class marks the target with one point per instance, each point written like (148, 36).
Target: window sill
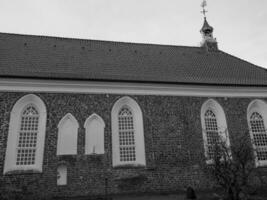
(94, 154)
(129, 166)
(21, 172)
(129, 175)
(261, 164)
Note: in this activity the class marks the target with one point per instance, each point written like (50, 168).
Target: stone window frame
(217, 109)
(75, 125)
(260, 107)
(14, 126)
(139, 132)
(87, 122)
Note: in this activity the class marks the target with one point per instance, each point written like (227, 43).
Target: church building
(85, 118)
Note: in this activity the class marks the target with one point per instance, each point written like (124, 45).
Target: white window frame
(217, 109)
(260, 107)
(13, 132)
(75, 127)
(139, 132)
(88, 132)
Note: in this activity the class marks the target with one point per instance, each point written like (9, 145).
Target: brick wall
(173, 145)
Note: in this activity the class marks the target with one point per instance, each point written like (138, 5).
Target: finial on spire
(203, 5)
(207, 31)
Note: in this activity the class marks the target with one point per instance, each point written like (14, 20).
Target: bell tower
(208, 41)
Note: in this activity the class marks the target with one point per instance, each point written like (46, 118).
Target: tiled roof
(28, 56)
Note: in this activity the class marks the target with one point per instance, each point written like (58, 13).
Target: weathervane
(203, 5)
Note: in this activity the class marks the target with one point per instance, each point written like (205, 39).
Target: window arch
(127, 133)
(67, 135)
(257, 121)
(214, 126)
(94, 134)
(26, 135)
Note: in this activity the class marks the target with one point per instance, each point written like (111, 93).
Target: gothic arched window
(27, 139)
(127, 144)
(26, 135)
(67, 135)
(214, 126)
(94, 135)
(212, 133)
(257, 111)
(127, 133)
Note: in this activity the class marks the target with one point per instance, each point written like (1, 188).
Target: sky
(240, 26)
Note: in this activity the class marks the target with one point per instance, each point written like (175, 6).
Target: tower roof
(206, 26)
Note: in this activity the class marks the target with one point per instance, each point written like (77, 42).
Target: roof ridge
(98, 40)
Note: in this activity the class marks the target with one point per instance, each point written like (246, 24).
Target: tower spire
(206, 31)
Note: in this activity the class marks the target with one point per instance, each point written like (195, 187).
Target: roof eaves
(138, 81)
